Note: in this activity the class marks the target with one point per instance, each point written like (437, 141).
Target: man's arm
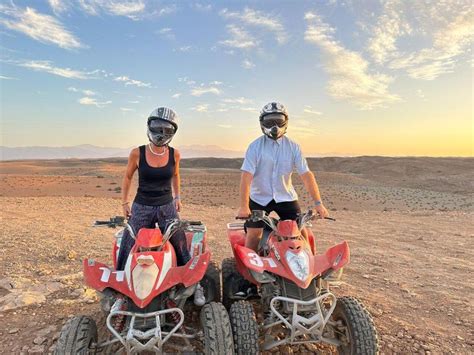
(245, 182)
(311, 186)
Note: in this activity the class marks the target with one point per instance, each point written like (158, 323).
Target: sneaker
(199, 299)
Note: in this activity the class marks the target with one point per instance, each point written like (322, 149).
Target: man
(266, 174)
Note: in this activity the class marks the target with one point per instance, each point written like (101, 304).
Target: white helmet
(162, 125)
(274, 120)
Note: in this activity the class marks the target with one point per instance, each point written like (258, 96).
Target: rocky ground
(411, 259)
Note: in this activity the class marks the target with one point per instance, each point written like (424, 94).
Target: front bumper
(301, 328)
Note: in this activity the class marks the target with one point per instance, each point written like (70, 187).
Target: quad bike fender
(333, 259)
(249, 258)
(188, 274)
(99, 277)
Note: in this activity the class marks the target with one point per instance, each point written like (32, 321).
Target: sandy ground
(411, 249)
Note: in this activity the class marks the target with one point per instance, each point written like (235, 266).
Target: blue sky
(358, 77)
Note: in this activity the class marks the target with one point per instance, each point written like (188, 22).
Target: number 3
(255, 259)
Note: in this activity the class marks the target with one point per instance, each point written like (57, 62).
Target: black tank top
(154, 184)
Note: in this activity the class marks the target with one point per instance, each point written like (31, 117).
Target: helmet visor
(162, 127)
(274, 119)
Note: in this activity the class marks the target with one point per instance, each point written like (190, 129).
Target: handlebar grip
(194, 223)
(331, 219)
(243, 218)
(101, 223)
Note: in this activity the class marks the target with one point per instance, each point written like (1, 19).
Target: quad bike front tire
(244, 327)
(77, 336)
(217, 329)
(360, 334)
(212, 283)
(231, 281)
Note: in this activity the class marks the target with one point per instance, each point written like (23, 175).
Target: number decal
(255, 259)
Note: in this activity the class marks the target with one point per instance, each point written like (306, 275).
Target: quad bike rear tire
(212, 283)
(361, 333)
(77, 336)
(244, 327)
(231, 281)
(217, 329)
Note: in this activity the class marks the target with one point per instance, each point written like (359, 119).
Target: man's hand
(322, 211)
(244, 212)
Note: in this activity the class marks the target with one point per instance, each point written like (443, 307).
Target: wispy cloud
(48, 67)
(201, 108)
(238, 100)
(133, 82)
(59, 6)
(132, 9)
(310, 110)
(91, 101)
(44, 28)
(2, 77)
(85, 92)
(258, 19)
(126, 109)
(239, 38)
(201, 90)
(183, 49)
(202, 7)
(350, 78)
(247, 64)
(176, 96)
(167, 33)
(449, 42)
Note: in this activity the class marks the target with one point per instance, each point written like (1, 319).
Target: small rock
(37, 349)
(71, 255)
(13, 331)
(400, 335)
(366, 276)
(39, 340)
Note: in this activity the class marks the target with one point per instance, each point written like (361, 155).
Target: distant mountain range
(87, 151)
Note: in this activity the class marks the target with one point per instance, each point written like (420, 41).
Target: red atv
(147, 303)
(293, 284)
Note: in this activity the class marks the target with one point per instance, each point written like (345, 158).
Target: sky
(357, 77)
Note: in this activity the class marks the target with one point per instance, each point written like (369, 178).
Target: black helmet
(162, 125)
(274, 120)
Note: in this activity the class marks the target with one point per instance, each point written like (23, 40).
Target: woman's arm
(177, 181)
(132, 165)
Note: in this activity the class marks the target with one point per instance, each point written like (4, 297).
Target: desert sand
(409, 223)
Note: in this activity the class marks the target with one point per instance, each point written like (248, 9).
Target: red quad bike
(147, 303)
(293, 285)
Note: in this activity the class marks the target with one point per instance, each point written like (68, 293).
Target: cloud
(239, 38)
(133, 82)
(40, 27)
(201, 90)
(186, 80)
(238, 100)
(201, 108)
(132, 9)
(449, 42)
(126, 109)
(85, 92)
(176, 96)
(183, 49)
(247, 64)
(350, 78)
(2, 77)
(309, 109)
(46, 66)
(166, 33)
(59, 6)
(258, 19)
(90, 101)
(202, 7)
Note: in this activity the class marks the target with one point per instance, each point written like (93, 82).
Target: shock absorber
(119, 320)
(174, 316)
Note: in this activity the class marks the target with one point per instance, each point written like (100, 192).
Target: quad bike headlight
(298, 263)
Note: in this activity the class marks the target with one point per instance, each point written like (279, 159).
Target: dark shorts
(144, 216)
(284, 210)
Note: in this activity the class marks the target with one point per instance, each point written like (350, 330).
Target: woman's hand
(178, 205)
(321, 211)
(126, 210)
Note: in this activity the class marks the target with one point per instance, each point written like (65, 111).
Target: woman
(158, 177)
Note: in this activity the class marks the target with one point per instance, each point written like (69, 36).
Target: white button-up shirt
(272, 163)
